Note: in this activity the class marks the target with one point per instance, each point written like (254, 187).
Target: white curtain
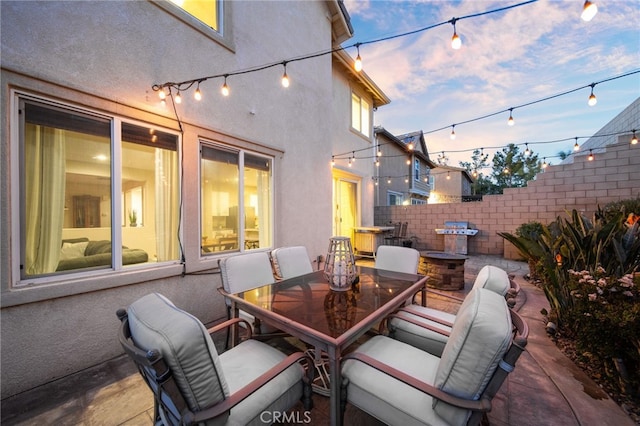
(167, 204)
(44, 196)
(264, 208)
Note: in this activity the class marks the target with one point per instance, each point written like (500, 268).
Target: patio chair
(192, 383)
(244, 272)
(394, 238)
(397, 259)
(290, 262)
(403, 385)
(413, 324)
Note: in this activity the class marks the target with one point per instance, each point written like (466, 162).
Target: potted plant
(133, 218)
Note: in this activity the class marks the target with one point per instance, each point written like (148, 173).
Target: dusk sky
(507, 59)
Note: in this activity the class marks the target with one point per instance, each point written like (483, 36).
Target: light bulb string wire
(573, 138)
(187, 84)
(511, 109)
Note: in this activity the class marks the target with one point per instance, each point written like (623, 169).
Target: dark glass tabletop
(309, 301)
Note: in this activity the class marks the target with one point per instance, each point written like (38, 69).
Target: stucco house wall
(105, 56)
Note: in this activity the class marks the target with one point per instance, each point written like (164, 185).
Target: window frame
(398, 195)
(358, 130)
(222, 36)
(416, 169)
(241, 152)
(81, 276)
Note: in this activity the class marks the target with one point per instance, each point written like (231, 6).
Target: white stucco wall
(106, 56)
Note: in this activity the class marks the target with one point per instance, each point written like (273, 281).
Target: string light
(592, 98)
(333, 160)
(379, 153)
(408, 161)
(377, 163)
(349, 161)
(285, 77)
(225, 89)
(357, 65)
(526, 151)
(453, 132)
(589, 10)
(511, 122)
(197, 95)
(576, 147)
(178, 98)
(544, 163)
(634, 139)
(590, 157)
(456, 41)
(162, 94)
(448, 175)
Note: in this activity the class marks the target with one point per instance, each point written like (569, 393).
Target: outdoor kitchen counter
(366, 239)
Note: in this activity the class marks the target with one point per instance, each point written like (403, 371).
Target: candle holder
(340, 266)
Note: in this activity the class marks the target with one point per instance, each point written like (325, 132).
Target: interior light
(178, 98)
(634, 139)
(511, 122)
(576, 147)
(592, 98)
(285, 77)
(453, 132)
(456, 41)
(590, 157)
(358, 64)
(225, 88)
(197, 94)
(589, 10)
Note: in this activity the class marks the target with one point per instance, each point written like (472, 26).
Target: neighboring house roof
(341, 28)
(417, 138)
(378, 96)
(464, 172)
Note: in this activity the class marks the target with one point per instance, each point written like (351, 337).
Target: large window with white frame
(97, 192)
(360, 115)
(236, 200)
(394, 198)
(206, 11)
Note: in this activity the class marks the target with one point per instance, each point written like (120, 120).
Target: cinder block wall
(583, 185)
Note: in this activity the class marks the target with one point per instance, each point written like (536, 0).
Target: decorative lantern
(340, 266)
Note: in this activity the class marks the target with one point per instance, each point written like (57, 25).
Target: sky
(507, 59)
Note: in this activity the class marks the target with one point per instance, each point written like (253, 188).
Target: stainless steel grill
(455, 236)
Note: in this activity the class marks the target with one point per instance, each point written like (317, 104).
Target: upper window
(206, 11)
(236, 200)
(432, 182)
(416, 169)
(360, 115)
(72, 164)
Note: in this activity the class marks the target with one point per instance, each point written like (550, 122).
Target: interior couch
(81, 253)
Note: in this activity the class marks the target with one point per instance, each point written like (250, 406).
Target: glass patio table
(305, 307)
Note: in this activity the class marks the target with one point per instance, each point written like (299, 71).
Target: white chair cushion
(246, 271)
(494, 279)
(420, 337)
(156, 323)
(290, 262)
(386, 398)
(246, 362)
(397, 259)
(480, 336)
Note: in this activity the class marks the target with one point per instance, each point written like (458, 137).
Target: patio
(546, 388)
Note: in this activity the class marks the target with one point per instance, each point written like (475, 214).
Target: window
(206, 11)
(432, 182)
(236, 200)
(394, 198)
(360, 115)
(416, 169)
(418, 201)
(71, 163)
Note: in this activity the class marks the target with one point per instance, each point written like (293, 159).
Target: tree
(481, 184)
(513, 169)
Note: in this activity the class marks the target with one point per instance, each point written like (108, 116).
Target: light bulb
(225, 88)
(178, 98)
(592, 98)
(590, 157)
(544, 163)
(526, 151)
(511, 122)
(456, 41)
(197, 94)
(410, 146)
(453, 133)
(408, 161)
(358, 63)
(589, 11)
(448, 175)
(379, 153)
(285, 80)
(388, 180)
(333, 161)
(349, 161)
(576, 147)
(634, 139)
(162, 94)
(377, 163)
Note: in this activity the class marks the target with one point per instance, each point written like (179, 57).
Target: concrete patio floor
(546, 388)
